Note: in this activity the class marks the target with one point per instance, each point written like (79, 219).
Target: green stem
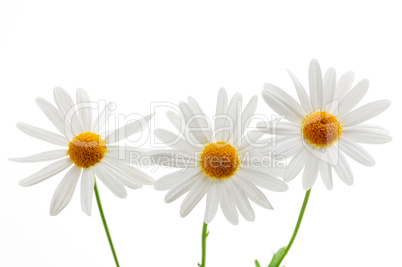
(204, 244)
(109, 238)
(299, 220)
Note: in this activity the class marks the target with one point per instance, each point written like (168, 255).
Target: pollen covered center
(219, 160)
(86, 149)
(321, 129)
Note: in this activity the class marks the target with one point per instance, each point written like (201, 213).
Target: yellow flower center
(86, 149)
(321, 129)
(219, 160)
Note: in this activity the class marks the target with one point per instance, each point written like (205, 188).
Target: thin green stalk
(109, 238)
(299, 220)
(204, 245)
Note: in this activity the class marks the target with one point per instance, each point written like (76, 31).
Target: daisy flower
(324, 127)
(86, 152)
(321, 130)
(218, 160)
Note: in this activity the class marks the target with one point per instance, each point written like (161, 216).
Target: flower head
(219, 160)
(87, 152)
(324, 126)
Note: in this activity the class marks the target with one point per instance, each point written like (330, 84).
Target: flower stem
(204, 245)
(109, 238)
(299, 220)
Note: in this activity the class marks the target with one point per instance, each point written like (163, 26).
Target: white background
(137, 52)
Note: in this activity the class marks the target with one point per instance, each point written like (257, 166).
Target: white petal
(270, 142)
(129, 171)
(127, 130)
(64, 191)
(43, 134)
(315, 84)
(366, 134)
(115, 186)
(266, 164)
(326, 174)
(68, 109)
(310, 173)
(198, 110)
(356, 152)
(343, 170)
(364, 113)
(84, 109)
(175, 141)
(122, 176)
(242, 202)
(296, 164)
(282, 107)
(173, 158)
(256, 155)
(288, 147)
(329, 83)
(196, 193)
(44, 156)
(367, 127)
(330, 155)
(52, 113)
(232, 117)
(193, 125)
(128, 155)
(280, 127)
(87, 190)
(249, 139)
(139, 125)
(103, 117)
(221, 107)
(302, 94)
(343, 85)
(176, 120)
(228, 206)
(246, 118)
(353, 97)
(182, 188)
(213, 197)
(319, 153)
(262, 179)
(252, 192)
(46, 172)
(285, 98)
(172, 179)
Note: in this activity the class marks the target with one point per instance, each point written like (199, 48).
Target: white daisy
(218, 160)
(86, 152)
(325, 126)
